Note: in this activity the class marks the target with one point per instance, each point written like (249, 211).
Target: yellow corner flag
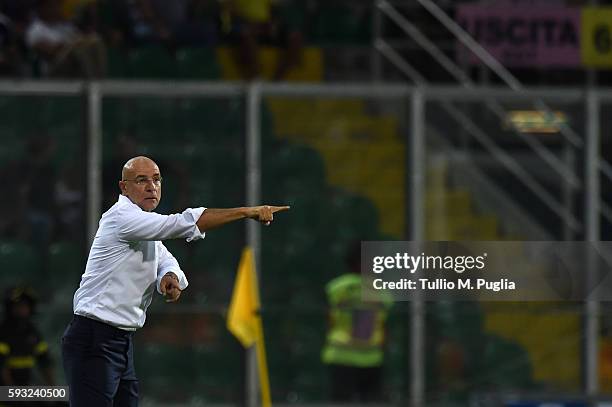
(244, 321)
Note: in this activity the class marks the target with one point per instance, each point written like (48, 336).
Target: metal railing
(430, 47)
(591, 233)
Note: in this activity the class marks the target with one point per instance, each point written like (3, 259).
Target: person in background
(63, 50)
(133, 23)
(17, 15)
(250, 23)
(355, 338)
(11, 59)
(21, 344)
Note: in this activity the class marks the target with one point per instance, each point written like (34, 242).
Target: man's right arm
(212, 218)
(136, 225)
(190, 224)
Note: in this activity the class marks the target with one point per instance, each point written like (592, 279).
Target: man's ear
(122, 187)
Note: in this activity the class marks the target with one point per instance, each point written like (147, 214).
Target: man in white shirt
(127, 261)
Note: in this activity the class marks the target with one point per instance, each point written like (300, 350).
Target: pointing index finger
(280, 208)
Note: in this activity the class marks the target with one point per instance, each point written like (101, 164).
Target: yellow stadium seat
(310, 69)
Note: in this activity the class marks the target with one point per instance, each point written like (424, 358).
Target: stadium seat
(156, 116)
(215, 262)
(117, 116)
(310, 385)
(461, 321)
(179, 250)
(292, 172)
(198, 63)
(65, 262)
(69, 145)
(152, 62)
(268, 138)
(309, 70)
(170, 370)
(337, 24)
(505, 364)
(20, 264)
(355, 218)
(214, 118)
(202, 191)
(23, 114)
(117, 63)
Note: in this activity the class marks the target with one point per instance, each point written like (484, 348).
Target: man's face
(142, 184)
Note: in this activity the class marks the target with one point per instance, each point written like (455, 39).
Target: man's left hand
(169, 287)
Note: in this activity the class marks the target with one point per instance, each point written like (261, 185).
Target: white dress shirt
(127, 261)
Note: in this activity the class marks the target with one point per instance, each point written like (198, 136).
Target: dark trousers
(99, 364)
(355, 384)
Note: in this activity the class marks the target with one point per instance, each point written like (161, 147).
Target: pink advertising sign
(523, 36)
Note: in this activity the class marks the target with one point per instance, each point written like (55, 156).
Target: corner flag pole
(244, 320)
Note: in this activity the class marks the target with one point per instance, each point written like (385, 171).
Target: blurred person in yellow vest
(250, 23)
(21, 345)
(354, 349)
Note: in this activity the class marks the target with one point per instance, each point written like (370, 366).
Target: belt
(104, 325)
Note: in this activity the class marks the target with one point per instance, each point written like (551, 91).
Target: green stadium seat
(268, 138)
(22, 114)
(155, 117)
(505, 364)
(310, 385)
(68, 145)
(20, 264)
(152, 62)
(295, 169)
(216, 119)
(352, 217)
(338, 24)
(223, 360)
(202, 191)
(460, 321)
(179, 249)
(117, 116)
(167, 371)
(215, 262)
(117, 63)
(66, 263)
(61, 111)
(198, 63)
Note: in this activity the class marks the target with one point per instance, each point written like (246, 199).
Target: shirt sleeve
(138, 225)
(166, 263)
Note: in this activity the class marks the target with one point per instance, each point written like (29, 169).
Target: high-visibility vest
(357, 328)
